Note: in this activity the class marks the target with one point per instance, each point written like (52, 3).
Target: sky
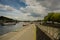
(28, 9)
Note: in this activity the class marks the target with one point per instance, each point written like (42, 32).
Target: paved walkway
(28, 33)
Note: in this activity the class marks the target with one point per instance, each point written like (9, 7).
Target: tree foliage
(54, 17)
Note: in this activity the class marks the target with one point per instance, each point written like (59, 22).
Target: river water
(10, 28)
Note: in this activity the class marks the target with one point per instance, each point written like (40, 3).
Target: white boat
(8, 23)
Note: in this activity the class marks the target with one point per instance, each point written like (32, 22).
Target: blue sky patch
(13, 3)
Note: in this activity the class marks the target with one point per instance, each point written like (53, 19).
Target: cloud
(50, 4)
(34, 8)
(6, 8)
(10, 12)
(35, 15)
(40, 8)
(55, 11)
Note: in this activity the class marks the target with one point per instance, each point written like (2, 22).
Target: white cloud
(41, 7)
(6, 7)
(1, 6)
(56, 10)
(14, 13)
(50, 4)
(34, 7)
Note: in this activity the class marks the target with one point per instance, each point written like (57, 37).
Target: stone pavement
(26, 33)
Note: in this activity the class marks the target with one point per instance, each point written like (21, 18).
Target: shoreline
(25, 31)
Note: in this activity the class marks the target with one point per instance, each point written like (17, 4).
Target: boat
(5, 24)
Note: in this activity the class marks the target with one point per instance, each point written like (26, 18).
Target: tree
(48, 17)
(54, 17)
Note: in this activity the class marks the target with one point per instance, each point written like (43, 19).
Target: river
(10, 28)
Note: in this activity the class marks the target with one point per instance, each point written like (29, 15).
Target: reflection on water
(9, 28)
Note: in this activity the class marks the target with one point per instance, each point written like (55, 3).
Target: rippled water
(9, 28)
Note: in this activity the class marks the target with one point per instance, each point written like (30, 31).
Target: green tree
(56, 17)
(48, 17)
